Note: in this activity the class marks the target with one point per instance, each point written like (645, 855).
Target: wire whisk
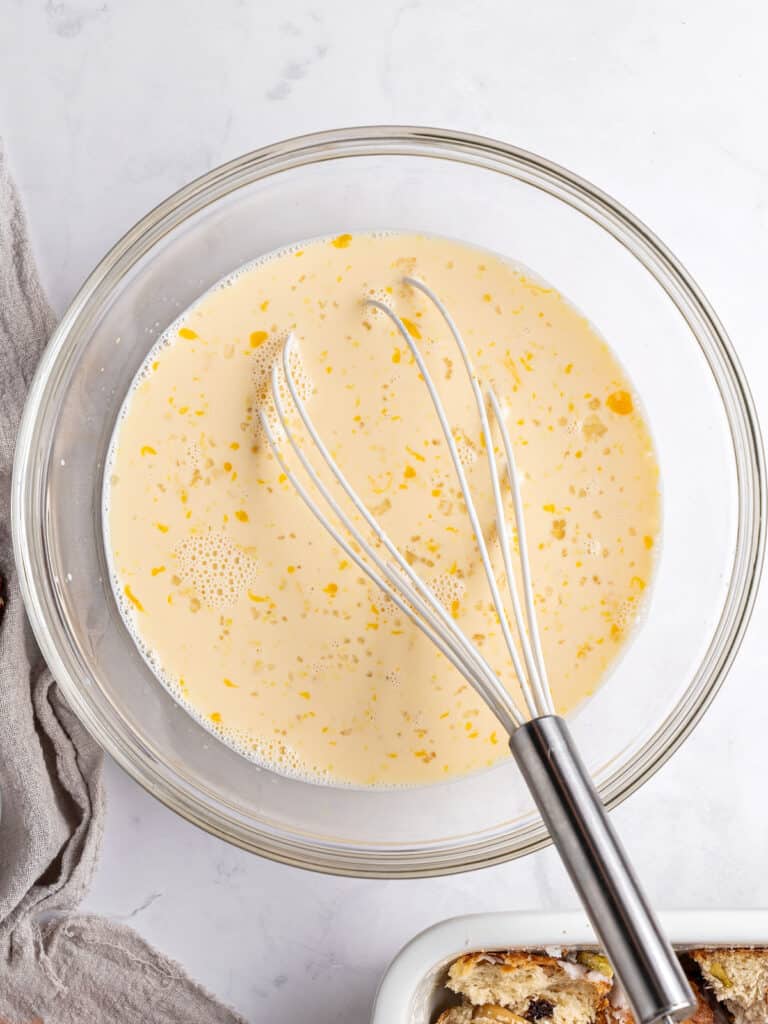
(540, 740)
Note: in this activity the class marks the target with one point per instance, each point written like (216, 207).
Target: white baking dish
(412, 990)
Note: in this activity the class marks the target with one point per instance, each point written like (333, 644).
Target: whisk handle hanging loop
(600, 871)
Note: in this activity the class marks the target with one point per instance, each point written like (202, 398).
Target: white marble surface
(106, 107)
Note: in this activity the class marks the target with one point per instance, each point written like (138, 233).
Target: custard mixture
(247, 610)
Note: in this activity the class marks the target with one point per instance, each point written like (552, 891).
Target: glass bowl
(440, 182)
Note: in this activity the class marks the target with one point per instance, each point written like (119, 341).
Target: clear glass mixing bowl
(445, 183)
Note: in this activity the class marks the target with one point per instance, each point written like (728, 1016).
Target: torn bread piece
(532, 986)
(739, 980)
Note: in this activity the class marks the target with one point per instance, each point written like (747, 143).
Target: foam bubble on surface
(387, 609)
(268, 355)
(193, 457)
(448, 588)
(625, 614)
(593, 546)
(466, 452)
(217, 569)
(393, 678)
(379, 295)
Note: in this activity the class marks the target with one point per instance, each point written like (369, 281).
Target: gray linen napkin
(71, 970)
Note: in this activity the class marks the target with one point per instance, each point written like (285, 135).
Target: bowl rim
(28, 483)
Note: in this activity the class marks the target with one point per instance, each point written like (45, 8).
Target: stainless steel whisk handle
(578, 823)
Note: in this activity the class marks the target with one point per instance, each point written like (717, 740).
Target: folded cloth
(72, 970)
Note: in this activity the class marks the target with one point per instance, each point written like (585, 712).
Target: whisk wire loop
(450, 641)
(540, 678)
(540, 701)
(469, 650)
(466, 494)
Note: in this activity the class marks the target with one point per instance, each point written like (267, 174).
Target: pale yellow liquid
(249, 611)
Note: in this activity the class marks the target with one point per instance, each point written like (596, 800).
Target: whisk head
(385, 564)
